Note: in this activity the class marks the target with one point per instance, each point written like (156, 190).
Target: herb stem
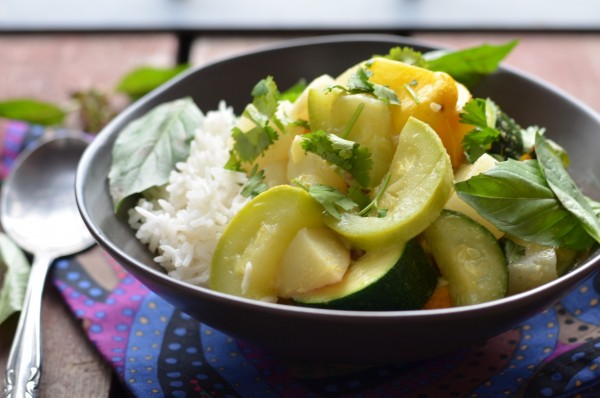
(380, 191)
(411, 92)
(353, 119)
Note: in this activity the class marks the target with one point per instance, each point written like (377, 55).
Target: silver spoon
(39, 212)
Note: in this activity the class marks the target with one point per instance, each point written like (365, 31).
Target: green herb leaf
(495, 132)
(347, 155)
(469, 65)
(266, 96)
(358, 195)
(148, 148)
(255, 183)
(408, 55)
(16, 275)
(515, 197)
(374, 204)
(479, 141)
(292, 93)
(250, 144)
(330, 198)
(142, 80)
(595, 206)
(32, 111)
(565, 188)
(94, 109)
(359, 84)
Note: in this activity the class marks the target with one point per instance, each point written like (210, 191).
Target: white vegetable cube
(315, 258)
(536, 266)
(481, 165)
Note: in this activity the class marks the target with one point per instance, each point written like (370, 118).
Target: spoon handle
(23, 368)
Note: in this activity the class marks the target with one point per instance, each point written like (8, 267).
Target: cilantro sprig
(334, 201)
(359, 83)
(374, 204)
(345, 154)
(262, 112)
(255, 184)
(330, 198)
(494, 132)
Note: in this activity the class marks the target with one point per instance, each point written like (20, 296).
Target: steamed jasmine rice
(183, 224)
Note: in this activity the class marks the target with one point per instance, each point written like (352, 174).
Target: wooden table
(49, 67)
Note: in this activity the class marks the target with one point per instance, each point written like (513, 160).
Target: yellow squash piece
(433, 97)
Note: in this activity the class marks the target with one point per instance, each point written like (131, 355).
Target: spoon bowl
(39, 212)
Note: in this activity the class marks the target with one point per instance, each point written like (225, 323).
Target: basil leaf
(515, 197)
(16, 275)
(148, 148)
(32, 111)
(565, 188)
(142, 80)
(469, 65)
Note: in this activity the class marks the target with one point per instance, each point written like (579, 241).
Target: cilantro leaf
(495, 132)
(479, 141)
(347, 155)
(250, 144)
(359, 83)
(292, 93)
(469, 65)
(408, 55)
(359, 195)
(255, 183)
(330, 198)
(266, 96)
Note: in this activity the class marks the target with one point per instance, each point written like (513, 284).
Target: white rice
(201, 197)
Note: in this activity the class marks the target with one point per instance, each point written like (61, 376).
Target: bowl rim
(586, 268)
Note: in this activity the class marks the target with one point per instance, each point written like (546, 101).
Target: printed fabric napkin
(158, 351)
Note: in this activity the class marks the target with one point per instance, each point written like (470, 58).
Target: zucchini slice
(399, 277)
(469, 257)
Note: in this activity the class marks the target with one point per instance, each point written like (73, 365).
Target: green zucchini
(399, 277)
(469, 257)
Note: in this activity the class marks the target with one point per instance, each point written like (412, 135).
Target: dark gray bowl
(324, 335)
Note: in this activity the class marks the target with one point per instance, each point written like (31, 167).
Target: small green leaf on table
(16, 270)
(142, 80)
(32, 111)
